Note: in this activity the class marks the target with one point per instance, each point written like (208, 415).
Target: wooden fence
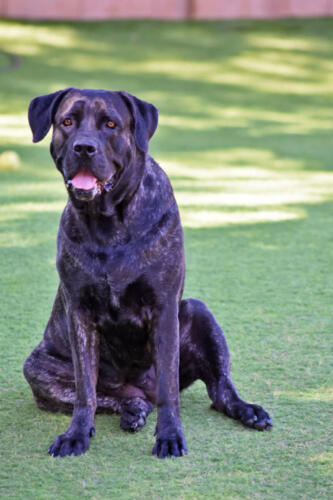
(164, 9)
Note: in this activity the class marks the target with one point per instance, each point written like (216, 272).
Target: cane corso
(120, 338)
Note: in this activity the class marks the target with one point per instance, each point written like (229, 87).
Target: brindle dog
(120, 338)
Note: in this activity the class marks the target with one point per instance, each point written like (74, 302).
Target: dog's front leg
(85, 356)
(170, 439)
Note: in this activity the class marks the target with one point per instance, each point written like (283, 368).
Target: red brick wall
(163, 9)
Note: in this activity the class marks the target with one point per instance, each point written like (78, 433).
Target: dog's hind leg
(204, 355)
(51, 378)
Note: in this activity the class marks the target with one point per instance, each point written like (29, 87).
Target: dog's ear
(41, 113)
(145, 117)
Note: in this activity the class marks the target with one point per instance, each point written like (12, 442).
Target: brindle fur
(120, 338)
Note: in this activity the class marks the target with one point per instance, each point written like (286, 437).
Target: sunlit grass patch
(14, 129)
(21, 210)
(324, 393)
(197, 217)
(271, 194)
(30, 40)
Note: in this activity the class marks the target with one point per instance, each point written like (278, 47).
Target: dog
(120, 337)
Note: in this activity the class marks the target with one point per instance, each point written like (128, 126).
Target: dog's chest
(125, 321)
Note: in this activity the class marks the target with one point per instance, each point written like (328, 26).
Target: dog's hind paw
(256, 417)
(132, 422)
(134, 414)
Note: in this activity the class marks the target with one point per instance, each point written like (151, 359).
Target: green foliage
(245, 134)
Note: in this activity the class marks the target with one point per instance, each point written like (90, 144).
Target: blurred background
(244, 90)
(164, 9)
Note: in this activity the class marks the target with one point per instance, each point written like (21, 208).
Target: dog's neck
(109, 219)
(88, 226)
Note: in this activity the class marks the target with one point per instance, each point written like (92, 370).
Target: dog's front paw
(256, 417)
(71, 443)
(170, 444)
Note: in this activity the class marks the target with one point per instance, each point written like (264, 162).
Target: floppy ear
(41, 113)
(145, 117)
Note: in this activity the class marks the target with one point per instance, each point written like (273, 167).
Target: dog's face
(91, 141)
(97, 135)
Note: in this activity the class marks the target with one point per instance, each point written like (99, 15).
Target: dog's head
(98, 137)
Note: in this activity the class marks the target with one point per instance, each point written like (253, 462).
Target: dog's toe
(256, 417)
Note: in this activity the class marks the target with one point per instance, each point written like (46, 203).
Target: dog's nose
(85, 148)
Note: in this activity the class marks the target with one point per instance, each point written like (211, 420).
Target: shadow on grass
(250, 85)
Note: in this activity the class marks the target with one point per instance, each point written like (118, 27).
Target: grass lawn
(246, 135)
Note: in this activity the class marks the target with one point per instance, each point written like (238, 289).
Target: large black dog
(120, 338)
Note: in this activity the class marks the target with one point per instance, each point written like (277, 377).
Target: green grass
(246, 136)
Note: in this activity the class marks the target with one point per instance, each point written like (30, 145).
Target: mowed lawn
(245, 133)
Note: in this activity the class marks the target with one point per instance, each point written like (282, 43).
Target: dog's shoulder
(153, 217)
(153, 200)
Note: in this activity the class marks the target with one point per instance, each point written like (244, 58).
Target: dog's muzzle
(85, 186)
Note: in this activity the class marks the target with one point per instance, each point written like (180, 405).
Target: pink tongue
(84, 180)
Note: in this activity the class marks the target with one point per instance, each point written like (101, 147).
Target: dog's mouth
(84, 180)
(86, 186)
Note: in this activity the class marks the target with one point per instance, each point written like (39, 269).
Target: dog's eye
(67, 122)
(110, 124)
